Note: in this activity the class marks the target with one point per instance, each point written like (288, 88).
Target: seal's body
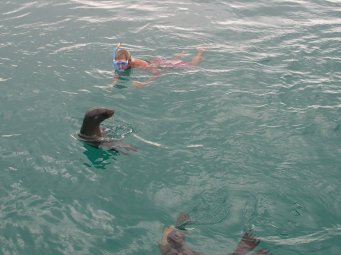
(173, 241)
(173, 238)
(93, 134)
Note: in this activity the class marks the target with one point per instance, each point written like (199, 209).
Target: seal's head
(92, 120)
(182, 221)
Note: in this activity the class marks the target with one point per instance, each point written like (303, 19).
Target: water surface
(249, 140)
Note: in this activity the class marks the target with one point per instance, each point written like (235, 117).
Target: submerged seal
(173, 240)
(93, 134)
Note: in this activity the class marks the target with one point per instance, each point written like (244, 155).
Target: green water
(248, 140)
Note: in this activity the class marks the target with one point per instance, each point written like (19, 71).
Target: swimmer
(123, 61)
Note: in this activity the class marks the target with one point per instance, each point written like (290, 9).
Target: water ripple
(316, 237)
(248, 140)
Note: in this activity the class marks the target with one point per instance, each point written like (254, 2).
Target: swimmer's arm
(115, 79)
(180, 55)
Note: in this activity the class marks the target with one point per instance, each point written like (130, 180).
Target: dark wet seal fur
(173, 241)
(92, 133)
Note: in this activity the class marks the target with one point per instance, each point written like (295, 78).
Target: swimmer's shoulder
(140, 63)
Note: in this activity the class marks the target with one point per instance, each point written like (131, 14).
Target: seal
(173, 240)
(92, 133)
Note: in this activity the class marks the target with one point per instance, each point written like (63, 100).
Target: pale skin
(155, 72)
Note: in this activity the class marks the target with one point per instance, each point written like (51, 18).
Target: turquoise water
(248, 140)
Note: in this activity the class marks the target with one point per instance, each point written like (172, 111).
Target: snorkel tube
(119, 65)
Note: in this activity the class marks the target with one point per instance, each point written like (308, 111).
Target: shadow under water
(99, 158)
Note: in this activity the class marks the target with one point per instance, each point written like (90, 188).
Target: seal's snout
(110, 113)
(105, 112)
(99, 114)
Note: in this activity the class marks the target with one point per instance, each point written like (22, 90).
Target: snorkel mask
(119, 65)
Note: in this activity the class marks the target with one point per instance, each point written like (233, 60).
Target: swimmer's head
(123, 54)
(121, 59)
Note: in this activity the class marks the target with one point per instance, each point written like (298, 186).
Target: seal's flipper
(245, 245)
(114, 146)
(128, 147)
(261, 252)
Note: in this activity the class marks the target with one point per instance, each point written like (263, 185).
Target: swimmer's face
(123, 56)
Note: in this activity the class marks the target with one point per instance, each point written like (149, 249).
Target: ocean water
(248, 140)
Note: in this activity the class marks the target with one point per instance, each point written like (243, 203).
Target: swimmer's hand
(138, 84)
